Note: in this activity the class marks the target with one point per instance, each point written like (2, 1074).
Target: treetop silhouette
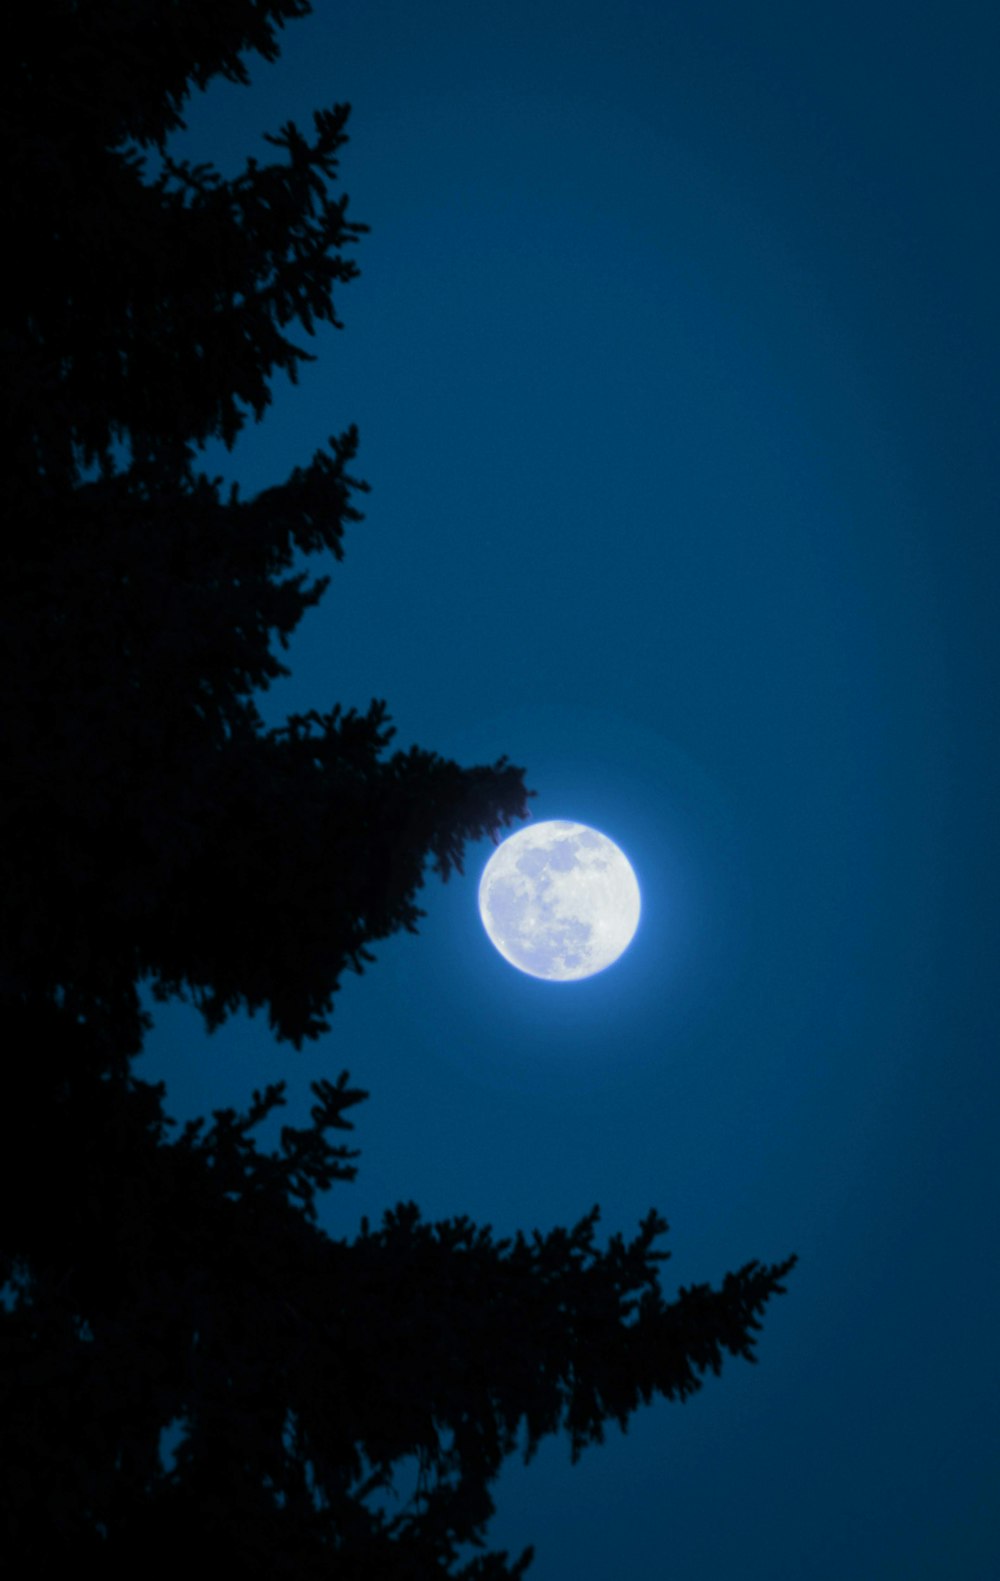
(192, 1363)
(154, 827)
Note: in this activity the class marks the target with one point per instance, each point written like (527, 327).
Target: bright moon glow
(559, 900)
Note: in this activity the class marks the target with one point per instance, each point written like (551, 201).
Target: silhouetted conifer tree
(192, 1367)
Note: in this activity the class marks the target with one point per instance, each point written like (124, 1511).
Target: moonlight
(559, 901)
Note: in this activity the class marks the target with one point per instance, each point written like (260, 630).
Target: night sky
(674, 359)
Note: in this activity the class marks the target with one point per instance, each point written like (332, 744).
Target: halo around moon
(559, 900)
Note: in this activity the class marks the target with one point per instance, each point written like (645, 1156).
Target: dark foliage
(191, 1365)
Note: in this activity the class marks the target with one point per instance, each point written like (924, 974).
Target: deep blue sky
(674, 361)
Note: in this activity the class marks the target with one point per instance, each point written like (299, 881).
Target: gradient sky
(674, 362)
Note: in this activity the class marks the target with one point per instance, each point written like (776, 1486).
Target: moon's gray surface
(559, 900)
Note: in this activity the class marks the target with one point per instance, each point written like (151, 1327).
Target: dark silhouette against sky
(191, 1363)
(672, 357)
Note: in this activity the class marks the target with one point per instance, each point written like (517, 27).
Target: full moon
(559, 900)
